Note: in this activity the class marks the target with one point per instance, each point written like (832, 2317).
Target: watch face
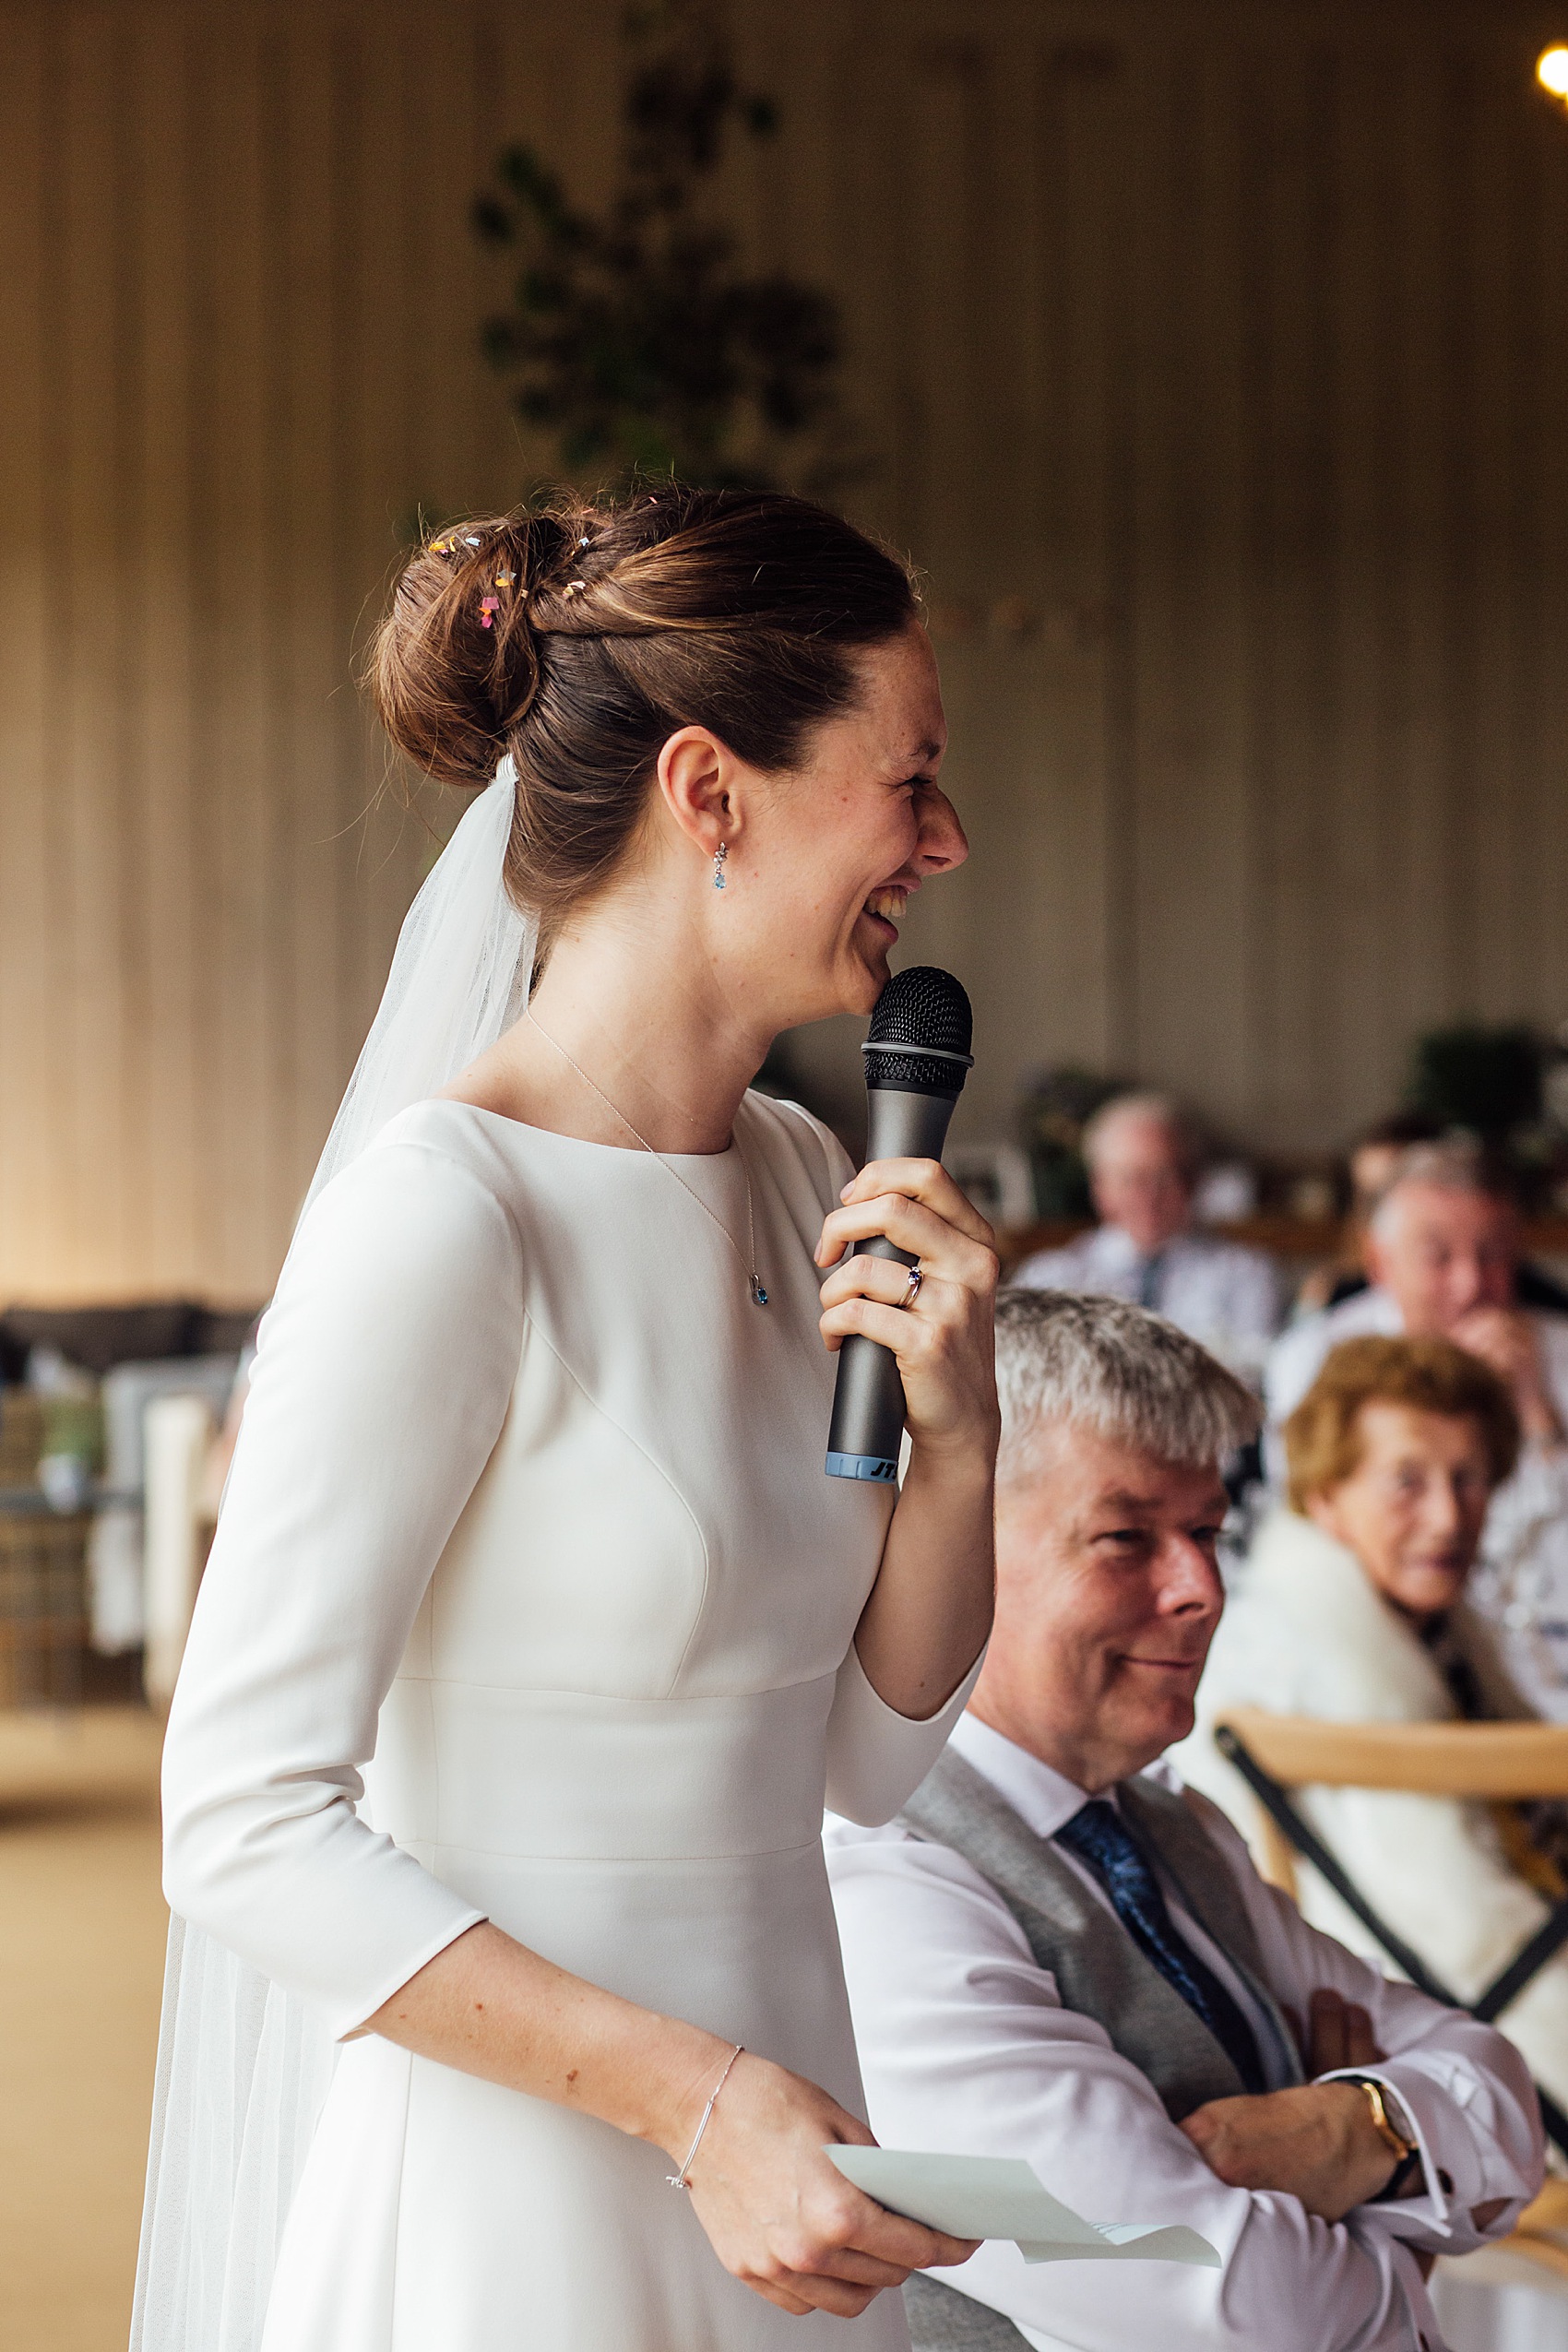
(1399, 2122)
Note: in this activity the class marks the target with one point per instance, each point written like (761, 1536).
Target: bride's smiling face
(824, 858)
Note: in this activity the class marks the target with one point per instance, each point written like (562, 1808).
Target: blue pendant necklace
(748, 1266)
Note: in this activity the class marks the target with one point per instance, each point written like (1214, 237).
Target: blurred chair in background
(189, 1449)
(44, 1622)
(1144, 1157)
(117, 1555)
(82, 1383)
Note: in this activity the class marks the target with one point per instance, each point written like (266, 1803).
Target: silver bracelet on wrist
(681, 2179)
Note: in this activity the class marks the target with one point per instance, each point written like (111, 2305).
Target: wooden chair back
(1491, 1760)
(1496, 1762)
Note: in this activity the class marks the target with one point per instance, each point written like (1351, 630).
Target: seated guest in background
(1053, 1954)
(1143, 1161)
(1442, 1251)
(1351, 1608)
(1375, 1159)
(1374, 1162)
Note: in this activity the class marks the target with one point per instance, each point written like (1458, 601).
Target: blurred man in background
(1372, 1164)
(1375, 1158)
(1144, 1158)
(1443, 1252)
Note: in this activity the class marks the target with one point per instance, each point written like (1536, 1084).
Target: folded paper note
(1000, 2197)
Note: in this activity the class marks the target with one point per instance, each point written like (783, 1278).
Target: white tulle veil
(242, 2065)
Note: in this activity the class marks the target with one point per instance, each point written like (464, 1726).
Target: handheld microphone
(916, 1057)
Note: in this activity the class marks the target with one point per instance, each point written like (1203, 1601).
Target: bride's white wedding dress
(529, 1509)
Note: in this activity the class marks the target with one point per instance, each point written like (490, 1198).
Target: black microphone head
(920, 1034)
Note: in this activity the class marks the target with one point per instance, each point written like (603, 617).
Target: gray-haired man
(1144, 1158)
(1054, 1954)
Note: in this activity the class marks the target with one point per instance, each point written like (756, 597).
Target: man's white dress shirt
(1520, 1585)
(1223, 1295)
(965, 2048)
(1309, 1634)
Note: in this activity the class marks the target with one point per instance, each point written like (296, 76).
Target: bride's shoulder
(406, 1269)
(793, 1142)
(435, 1190)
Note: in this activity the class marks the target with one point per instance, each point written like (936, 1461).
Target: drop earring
(720, 856)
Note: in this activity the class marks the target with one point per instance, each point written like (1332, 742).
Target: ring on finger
(912, 1288)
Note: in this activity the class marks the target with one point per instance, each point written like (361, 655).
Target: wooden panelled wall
(1217, 359)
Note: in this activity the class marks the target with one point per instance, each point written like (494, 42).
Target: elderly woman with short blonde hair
(1351, 1608)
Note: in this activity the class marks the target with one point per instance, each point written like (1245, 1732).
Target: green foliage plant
(635, 338)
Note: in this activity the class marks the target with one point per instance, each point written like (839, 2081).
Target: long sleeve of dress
(381, 1384)
(877, 1758)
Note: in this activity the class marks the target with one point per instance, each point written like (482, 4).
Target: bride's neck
(635, 1010)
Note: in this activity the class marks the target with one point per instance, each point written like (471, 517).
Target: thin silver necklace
(753, 1278)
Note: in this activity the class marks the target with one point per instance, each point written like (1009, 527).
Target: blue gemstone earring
(719, 855)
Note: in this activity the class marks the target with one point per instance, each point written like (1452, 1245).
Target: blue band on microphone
(863, 1466)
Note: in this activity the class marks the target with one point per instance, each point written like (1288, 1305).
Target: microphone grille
(926, 1010)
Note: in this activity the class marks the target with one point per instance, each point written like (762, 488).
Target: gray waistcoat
(1100, 1971)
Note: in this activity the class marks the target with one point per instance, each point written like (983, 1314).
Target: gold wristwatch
(1387, 2131)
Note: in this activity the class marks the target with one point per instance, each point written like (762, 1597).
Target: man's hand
(1505, 1338)
(1319, 2142)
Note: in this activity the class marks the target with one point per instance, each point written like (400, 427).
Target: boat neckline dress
(531, 1601)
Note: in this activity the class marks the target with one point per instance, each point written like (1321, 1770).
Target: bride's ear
(702, 786)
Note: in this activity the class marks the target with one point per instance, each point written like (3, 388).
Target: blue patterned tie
(1101, 1840)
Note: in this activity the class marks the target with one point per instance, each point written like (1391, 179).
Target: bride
(504, 2004)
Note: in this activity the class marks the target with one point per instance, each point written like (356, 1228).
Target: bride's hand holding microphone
(928, 1614)
(936, 1317)
(910, 1303)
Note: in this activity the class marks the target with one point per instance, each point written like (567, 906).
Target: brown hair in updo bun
(580, 637)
